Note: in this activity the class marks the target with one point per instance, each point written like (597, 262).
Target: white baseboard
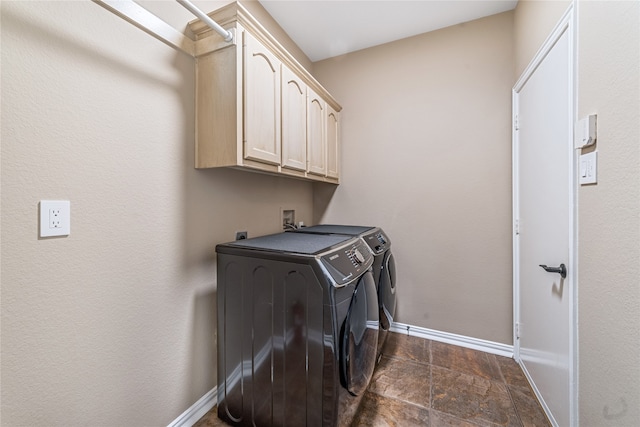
(189, 417)
(459, 340)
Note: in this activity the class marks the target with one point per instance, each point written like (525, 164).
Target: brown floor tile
(440, 419)
(406, 347)
(348, 407)
(210, 419)
(465, 360)
(419, 382)
(496, 373)
(529, 410)
(512, 372)
(380, 411)
(472, 398)
(403, 380)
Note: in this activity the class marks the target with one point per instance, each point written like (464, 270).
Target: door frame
(567, 24)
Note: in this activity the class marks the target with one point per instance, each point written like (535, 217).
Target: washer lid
(298, 243)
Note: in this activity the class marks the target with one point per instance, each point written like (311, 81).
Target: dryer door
(360, 336)
(387, 291)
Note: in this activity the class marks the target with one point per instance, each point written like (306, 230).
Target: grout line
(513, 404)
(497, 363)
(397, 399)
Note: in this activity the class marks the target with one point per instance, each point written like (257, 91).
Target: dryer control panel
(377, 241)
(348, 262)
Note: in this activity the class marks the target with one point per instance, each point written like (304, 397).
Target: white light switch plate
(589, 168)
(585, 131)
(55, 218)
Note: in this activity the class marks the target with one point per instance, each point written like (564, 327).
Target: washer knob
(358, 256)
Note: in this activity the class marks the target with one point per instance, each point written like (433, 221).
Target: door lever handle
(562, 270)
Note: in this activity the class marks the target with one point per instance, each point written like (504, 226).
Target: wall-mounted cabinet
(257, 108)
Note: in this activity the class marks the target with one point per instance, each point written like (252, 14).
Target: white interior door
(544, 192)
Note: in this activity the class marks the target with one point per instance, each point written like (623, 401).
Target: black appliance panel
(272, 340)
(281, 319)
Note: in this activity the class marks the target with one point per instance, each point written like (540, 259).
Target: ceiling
(323, 29)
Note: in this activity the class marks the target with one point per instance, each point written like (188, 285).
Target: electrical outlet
(55, 218)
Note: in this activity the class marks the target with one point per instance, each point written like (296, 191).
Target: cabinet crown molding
(235, 17)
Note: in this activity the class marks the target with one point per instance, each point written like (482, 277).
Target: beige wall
(609, 212)
(427, 156)
(533, 22)
(609, 216)
(115, 324)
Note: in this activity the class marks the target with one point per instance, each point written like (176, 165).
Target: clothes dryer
(384, 267)
(297, 329)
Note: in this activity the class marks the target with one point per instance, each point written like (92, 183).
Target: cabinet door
(333, 142)
(261, 102)
(294, 124)
(316, 142)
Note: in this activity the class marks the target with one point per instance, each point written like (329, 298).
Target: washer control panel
(377, 241)
(356, 257)
(347, 263)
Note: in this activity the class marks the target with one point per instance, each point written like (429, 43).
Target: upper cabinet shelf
(257, 108)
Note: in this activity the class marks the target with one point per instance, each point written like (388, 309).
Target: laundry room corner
(427, 157)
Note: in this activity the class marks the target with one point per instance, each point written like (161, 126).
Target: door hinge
(516, 227)
(517, 326)
(516, 123)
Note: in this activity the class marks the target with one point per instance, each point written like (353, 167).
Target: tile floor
(427, 383)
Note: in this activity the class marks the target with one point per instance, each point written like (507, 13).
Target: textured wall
(609, 216)
(609, 212)
(427, 156)
(115, 324)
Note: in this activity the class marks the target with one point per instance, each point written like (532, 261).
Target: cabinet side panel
(217, 109)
